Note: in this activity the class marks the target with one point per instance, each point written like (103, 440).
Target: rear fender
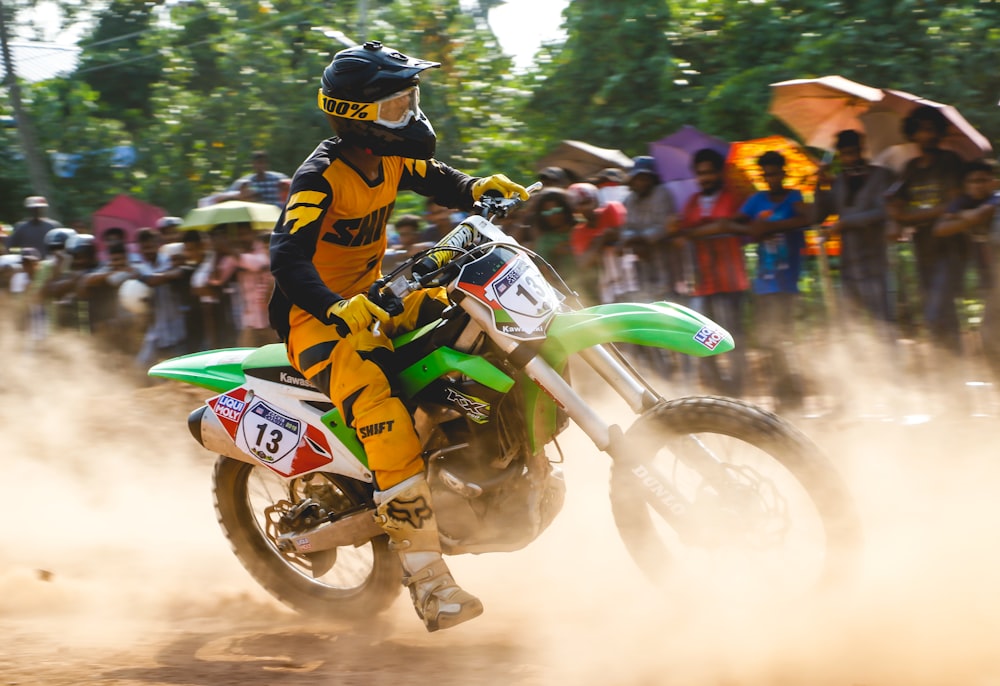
(659, 324)
(216, 370)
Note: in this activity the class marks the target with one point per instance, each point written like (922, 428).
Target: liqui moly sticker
(229, 408)
(708, 337)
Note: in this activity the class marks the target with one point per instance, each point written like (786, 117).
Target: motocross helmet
(371, 95)
(55, 239)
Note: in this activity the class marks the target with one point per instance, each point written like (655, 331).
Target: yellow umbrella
(260, 215)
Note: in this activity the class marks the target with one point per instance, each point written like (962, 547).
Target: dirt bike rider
(327, 250)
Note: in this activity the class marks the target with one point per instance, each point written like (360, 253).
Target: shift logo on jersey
(354, 233)
(303, 209)
(416, 167)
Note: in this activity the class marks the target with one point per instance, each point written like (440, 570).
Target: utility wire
(255, 29)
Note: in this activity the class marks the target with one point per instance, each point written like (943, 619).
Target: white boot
(404, 513)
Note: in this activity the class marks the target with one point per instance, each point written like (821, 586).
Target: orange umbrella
(742, 167)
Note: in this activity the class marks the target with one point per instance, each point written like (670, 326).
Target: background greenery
(195, 86)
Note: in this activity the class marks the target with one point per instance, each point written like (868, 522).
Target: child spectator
(594, 243)
(256, 283)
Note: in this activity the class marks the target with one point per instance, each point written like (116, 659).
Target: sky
(522, 25)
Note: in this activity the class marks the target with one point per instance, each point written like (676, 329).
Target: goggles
(551, 211)
(394, 111)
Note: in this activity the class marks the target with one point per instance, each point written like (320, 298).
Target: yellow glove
(497, 182)
(355, 314)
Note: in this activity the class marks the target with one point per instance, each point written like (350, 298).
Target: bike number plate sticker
(523, 293)
(268, 434)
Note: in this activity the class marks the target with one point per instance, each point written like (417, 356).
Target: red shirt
(610, 216)
(720, 267)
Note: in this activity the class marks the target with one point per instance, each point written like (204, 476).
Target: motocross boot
(404, 513)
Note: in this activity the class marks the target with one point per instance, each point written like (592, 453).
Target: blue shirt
(779, 255)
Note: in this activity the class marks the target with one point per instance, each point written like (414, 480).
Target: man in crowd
(263, 185)
(720, 276)
(649, 218)
(30, 233)
(776, 219)
(927, 186)
(963, 228)
(856, 196)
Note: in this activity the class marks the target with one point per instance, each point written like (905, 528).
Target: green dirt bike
(704, 480)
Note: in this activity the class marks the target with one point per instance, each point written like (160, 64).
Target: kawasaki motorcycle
(708, 484)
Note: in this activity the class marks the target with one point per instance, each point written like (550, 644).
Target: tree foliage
(195, 86)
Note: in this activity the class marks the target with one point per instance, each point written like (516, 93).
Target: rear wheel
(721, 489)
(348, 582)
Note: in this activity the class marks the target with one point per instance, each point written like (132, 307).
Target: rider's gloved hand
(498, 182)
(355, 314)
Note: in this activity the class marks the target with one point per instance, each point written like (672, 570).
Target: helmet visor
(393, 111)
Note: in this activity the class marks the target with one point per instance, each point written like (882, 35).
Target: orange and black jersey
(330, 239)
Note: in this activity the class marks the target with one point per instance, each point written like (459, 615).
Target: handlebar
(492, 204)
(437, 264)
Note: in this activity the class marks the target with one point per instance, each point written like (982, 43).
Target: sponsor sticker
(476, 409)
(708, 337)
(293, 380)
(228, 407)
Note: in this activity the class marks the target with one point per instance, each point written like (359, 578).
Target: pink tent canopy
(127, 213)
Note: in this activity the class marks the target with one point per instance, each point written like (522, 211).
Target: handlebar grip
(425, 266)
(460, 239)
(385, 299)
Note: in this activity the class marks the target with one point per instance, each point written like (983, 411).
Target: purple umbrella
(673, 154)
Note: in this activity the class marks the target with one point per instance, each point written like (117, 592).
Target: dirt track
(114, 571)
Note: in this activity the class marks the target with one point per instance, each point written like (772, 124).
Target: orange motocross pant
(355, 370)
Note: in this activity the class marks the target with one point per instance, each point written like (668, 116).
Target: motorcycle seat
(270, 363)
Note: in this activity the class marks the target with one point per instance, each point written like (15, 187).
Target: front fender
(659, 324)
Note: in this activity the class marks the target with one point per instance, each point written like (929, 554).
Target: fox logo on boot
(414, 512)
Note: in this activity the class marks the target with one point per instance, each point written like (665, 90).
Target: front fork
(610, 438)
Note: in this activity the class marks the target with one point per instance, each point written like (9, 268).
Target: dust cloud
(113, 569)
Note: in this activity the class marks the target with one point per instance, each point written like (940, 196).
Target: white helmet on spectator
(134, 296)
(168, 223)
(171, 250)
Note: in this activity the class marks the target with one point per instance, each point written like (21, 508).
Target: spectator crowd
(169, 292)
(919, 251)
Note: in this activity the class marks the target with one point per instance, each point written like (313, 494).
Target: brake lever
(385, 298)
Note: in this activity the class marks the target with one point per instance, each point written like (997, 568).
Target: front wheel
(730, 491)
(344, 583)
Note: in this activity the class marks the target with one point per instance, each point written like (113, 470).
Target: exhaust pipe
(209, 432)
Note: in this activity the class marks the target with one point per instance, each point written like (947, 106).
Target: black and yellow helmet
(371, 94)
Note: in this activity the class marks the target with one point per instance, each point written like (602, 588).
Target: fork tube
(619, 377)
(599, 431)
(548, 379)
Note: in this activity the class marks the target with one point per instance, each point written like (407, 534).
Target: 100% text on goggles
(393, 111)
